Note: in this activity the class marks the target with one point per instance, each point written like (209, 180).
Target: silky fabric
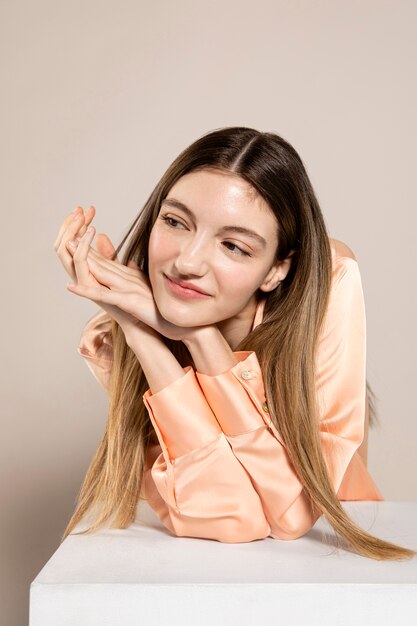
(217, 467)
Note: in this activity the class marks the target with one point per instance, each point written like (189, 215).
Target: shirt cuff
(181, 416)
(237, 397)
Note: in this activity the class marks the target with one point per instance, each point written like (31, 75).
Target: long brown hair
(293, 317)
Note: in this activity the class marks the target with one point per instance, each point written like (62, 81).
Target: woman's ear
(276, 274)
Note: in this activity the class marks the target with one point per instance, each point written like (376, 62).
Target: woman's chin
(183, 318)
(180, 317)
(182, 321)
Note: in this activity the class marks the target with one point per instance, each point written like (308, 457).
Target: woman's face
(196, 246)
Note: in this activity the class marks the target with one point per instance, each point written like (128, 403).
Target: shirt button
(246, 374)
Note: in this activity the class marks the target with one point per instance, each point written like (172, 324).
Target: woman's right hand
(74, 227)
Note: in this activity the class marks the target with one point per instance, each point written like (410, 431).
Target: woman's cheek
(235, 281)
(160, 249)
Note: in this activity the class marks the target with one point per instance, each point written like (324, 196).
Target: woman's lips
(187, 294)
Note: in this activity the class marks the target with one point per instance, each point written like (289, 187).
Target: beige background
(98, 98)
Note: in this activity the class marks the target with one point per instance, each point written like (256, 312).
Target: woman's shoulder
(340, 250)
(342, 255)
(344, 263)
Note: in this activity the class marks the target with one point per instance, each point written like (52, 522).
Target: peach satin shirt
(217, 467)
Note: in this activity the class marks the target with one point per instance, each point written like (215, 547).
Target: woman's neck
(234, 330)
(237, 328)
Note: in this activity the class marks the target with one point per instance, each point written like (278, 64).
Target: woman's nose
(192, 259)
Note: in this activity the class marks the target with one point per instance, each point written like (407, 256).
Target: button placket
(247, 374)
(260, 406)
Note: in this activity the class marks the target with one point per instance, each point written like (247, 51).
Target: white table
(143, 576)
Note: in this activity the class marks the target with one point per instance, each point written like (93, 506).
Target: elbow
(243, 530)
(233, 526)
(243, 520)
(297, 521)
(289, 535)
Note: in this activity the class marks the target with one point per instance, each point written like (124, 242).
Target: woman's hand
(74, 227)
(124, 290)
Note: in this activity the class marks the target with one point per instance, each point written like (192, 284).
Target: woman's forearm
(159, 365)
(210, 351)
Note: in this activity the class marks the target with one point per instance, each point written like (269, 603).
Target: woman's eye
(169, 221)
(237, 248)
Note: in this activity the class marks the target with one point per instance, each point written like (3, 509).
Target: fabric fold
(181, 416)
(236, 395)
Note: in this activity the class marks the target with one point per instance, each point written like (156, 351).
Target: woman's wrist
(159, 365)
(210, 351)
(137, 332)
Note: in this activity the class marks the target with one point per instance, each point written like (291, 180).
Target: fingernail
(76, 216)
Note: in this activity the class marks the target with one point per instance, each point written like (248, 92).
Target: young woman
(231, 339)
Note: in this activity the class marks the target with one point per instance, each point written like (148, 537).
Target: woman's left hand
(126, 287)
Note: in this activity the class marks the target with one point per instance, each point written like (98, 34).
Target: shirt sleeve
(193, 481)
(237, 398)
(208, 492)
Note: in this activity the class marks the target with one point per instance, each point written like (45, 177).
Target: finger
(82, 269)
(65, 225)
(110, 273)
(105, 247)
(97, 293)
(71, 231)
(76, 223)
(64, 254)
(68, 223)
(130, 272)
(127, 303)
(95, 254)
(102, 256)
(88, 218)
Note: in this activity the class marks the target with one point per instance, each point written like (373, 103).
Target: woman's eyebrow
(237, 229)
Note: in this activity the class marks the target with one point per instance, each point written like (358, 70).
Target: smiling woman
(233, 348)
(211, 245)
